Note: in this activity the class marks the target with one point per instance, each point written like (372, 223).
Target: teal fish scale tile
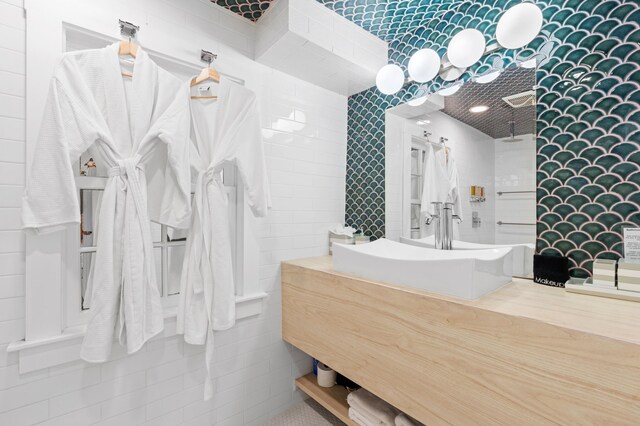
(588, 115)
(250, 9)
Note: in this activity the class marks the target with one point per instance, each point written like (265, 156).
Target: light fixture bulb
(449, 90)
(424, 65)
(466, 48)
(478, 109)
(417, 101)
(390, 79)
(519, 25)
(488, 78)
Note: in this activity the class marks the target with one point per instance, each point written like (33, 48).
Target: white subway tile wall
(305, 137)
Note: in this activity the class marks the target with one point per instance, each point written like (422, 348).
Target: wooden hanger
(206, 74)
(128, 48)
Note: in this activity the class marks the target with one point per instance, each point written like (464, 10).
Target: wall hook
(207, 57)
(127, 29)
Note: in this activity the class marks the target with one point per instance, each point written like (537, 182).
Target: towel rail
(516, 192)
(515, 223)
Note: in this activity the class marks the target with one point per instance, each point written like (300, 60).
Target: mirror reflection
(460, 167)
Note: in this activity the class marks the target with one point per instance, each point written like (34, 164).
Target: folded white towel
(367, 403)
(362, 419)
(342, 230)
(403, 420)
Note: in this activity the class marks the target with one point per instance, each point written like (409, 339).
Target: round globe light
(466, 48)
(424, 65)
(390, 79)
(450, 90)
(488, 78)
(519, 25)
(417, 101)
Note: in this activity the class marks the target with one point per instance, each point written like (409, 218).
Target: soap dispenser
(359, 236)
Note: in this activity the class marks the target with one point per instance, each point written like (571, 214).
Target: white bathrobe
(440, 182)
(454, 186)
(138, 129)
(226, 130)
(435, 186)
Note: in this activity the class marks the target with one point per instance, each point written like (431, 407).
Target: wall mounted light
(519, 25)
(488, 78)
(450, 73)
(516, 28)
(424, 65)
(390, 79)
(466, 48)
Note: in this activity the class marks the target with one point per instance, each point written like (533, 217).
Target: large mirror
(473, 146)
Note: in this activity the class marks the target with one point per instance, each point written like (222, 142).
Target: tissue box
(628, 276)
(604, 273)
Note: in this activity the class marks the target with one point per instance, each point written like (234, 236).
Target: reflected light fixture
(424, 65)
(530, 63)
(488, 78)
(466, 48)
(450, 90)
(519, 25)
(390, 79)
(417, 101)
(479, 108)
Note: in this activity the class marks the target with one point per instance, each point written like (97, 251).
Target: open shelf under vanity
(461, 361)
(333, 399)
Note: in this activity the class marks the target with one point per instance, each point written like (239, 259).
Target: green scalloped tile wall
(588, 118)
(250, 9)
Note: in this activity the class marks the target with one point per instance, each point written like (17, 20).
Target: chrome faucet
(443, 219)
(448, 217)
(436, 220)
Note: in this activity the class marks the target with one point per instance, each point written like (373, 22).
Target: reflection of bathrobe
(140, 130)
(454, 187)
(440, 182)
(435, 186)
(226, 131)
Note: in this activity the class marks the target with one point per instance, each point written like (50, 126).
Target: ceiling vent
(520, 100)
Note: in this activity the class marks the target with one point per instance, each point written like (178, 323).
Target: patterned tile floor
(306, 413)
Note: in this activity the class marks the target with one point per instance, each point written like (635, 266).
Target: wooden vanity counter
(524, 354)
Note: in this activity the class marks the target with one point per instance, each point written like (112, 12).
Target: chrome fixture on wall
(128, 30)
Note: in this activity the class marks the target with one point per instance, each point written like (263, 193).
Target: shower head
(512, 131)
(511, 140)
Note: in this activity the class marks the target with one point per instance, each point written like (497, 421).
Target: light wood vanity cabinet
(525, 354)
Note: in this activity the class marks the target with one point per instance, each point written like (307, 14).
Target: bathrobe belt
(201, 234)
(203, 209)
(128, 171)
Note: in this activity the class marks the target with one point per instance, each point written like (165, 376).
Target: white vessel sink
(522, 254)
(468, 274)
